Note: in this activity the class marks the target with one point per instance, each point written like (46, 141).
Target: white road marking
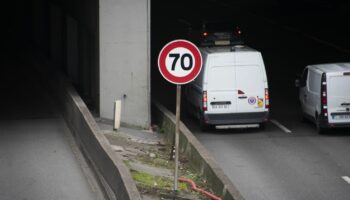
(346, 179)
(279, 125)
(237, 126)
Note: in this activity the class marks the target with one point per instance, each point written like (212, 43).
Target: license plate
(341, 117)
(220, 106)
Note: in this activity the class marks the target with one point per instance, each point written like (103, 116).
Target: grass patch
(161, 130)
(148, 180)
(127, 163)
(156, 162)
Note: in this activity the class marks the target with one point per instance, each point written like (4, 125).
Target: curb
(198, 156)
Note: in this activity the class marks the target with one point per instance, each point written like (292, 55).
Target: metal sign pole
(178, 103)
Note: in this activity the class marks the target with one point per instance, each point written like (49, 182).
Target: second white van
(324, 94)
(231, 89)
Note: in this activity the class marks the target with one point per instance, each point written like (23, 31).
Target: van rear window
(339, 86)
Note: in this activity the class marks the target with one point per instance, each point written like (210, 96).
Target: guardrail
(198, 156)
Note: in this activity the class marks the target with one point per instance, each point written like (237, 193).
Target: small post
(117, 113)
(177, 128)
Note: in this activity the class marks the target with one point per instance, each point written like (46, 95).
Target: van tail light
(267, 99)
(237, 31)
(205, 101)
(324, 107)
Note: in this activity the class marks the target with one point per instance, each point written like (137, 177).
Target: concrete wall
(124, 60)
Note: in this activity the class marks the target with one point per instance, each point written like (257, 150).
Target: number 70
(182, 57)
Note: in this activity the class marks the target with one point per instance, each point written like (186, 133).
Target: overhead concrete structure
(125, 60)
(103, 46)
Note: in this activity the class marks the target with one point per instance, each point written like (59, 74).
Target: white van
(231, 89)
(324, 94)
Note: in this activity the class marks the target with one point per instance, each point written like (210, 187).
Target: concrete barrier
(113, 175)
(198, 156)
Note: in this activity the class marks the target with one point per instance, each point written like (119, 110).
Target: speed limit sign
(180, 62)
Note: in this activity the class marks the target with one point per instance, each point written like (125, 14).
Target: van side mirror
(297, 83)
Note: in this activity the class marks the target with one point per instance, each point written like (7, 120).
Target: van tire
(202, 125)
(262, 126)
(303, 118)
(320, 130)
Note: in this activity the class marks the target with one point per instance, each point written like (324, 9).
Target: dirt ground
(152, 165)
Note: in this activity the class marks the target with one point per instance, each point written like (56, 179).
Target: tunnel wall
(67, 33)
(73, 33)
(101, 45)
(124, 60)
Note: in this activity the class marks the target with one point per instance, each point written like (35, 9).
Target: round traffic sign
(180, 61)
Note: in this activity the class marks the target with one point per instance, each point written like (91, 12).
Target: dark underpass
(289, 159)
(39, 158)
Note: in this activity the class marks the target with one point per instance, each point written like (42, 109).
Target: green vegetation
(161, 130)
(127, 163)
(156, 162)
(155, 186)
(148, 180)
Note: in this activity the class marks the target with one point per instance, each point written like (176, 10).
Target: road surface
(38, 157)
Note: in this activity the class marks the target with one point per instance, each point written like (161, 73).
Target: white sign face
(180, 62)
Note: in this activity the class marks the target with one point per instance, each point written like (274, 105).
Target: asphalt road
(274, 164)
(38, 157)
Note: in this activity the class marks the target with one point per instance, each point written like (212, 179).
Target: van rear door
(221, 87)
(338, 93)
(251, 88)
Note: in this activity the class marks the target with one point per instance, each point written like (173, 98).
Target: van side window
(304, 78)
(314, 82)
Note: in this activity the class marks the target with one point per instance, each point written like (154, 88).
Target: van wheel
(303, 118)
(319, 129)
(202, 125)
(262, 126)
